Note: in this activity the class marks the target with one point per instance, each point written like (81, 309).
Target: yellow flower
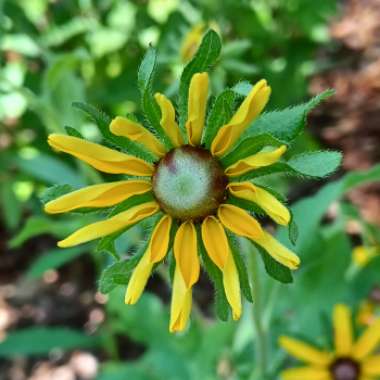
(189, 191)
(362, 255)
(352, 359)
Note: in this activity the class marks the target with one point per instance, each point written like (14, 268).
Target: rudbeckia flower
(363, 255)
(351, 359)
(190, 189)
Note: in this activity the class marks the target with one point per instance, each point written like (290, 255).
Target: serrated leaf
(41, 340)
(149, 105)
(293, 229)
(119, 273)
(221, 303)
(206, 56)
(54, 192)
(73, 132)
(102, 120)
(248, 147)
(310, 165)
(241, 268)
(220, 114)
(275, 269)
(287, 124)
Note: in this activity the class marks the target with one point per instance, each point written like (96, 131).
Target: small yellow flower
(363, 255)
(351, 360)
(189, 188)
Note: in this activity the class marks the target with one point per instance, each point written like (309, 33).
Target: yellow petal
(191, 41)
(371, 366)
(231, 285)
(215, 241)
(217, 247)
(100, 157)
(111, 225)
(362, 255)
(274, 208)
(255, 161)
(342, 330)
(181, 303)
(103, 195)
(156, 251)
(168, 122)
(251, 107)
(306, 373)
(368, 342)
(186, 253)
(121, 126)
(278, 251)
(138, 280)
(305, 352)
(239, 221)
(366, 315)
(198, 91)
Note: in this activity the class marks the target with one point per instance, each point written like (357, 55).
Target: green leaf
(34, 341)
(221, 303)
(241, 267)
(73, 132)
(102, 120)
(10, 205)
(53, 259)
(220, 114)
(120, 272)
(53, 192)
(38, 225)
(275, 269)
(287, 124)
(317, 164)
(248, 147)
(206, 56)
(149, 105)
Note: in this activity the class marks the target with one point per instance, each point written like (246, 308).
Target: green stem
(261, 350)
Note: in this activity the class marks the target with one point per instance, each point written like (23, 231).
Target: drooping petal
(121, 126)
(181, 303)
(138, 280)
(156, 251)
(342, 330)
(255, 161)
(368, 342)
(231, 285)
(102, 195)
(371, 366)
(217, 247)
(186, 253)
(269, 203)
(279, 252)
(305, 352)
(251, 107)
(215, 241)
(168, 122)
(197, 104)
(306, 373)
(111, 225)
(239, 221)
(100, 157)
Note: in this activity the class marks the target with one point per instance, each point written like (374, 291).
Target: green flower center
(345, 369)
(189, 183)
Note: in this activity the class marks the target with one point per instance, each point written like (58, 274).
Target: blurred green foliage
(54, 53)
